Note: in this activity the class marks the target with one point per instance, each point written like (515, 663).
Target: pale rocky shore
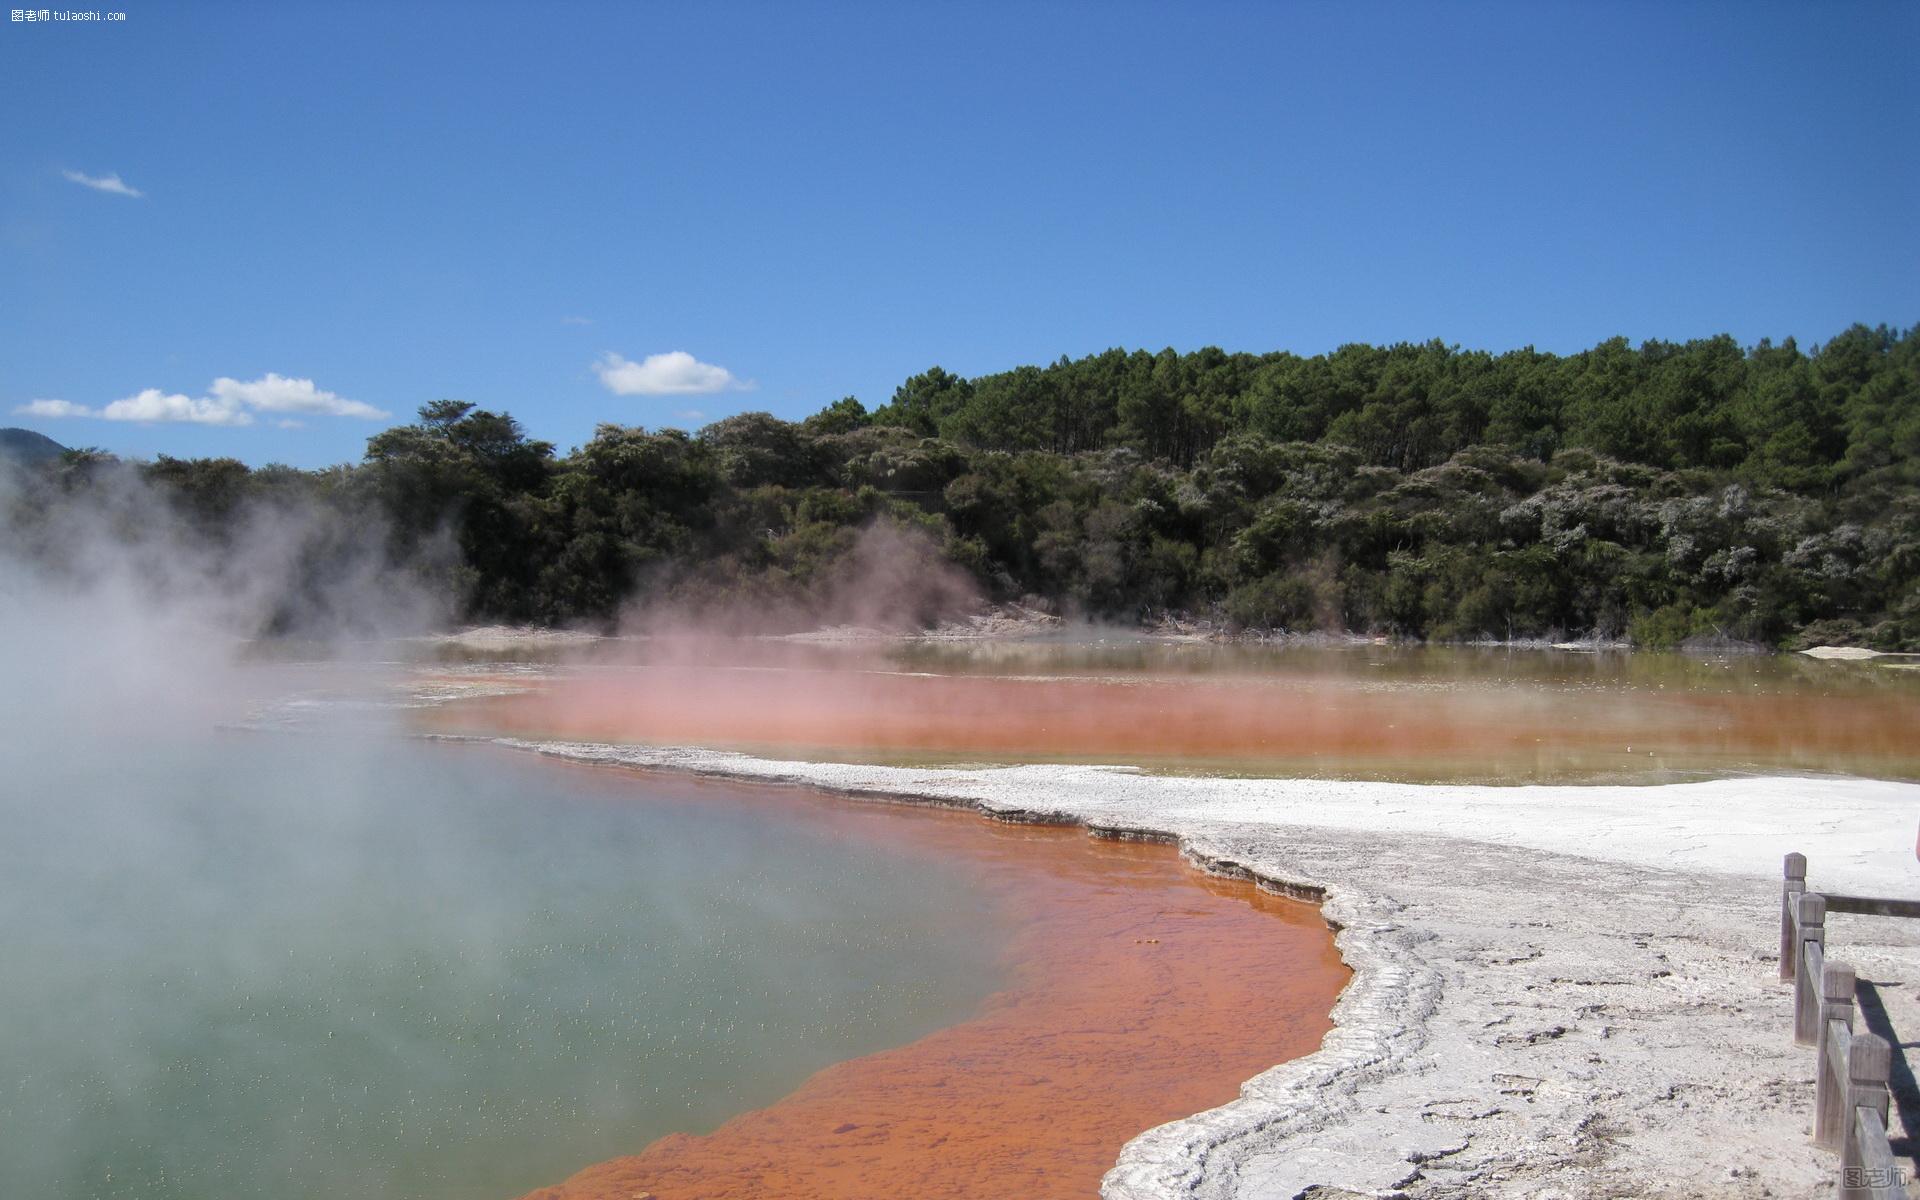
(1558, 991)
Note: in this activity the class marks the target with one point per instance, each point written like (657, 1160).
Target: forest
(1666, 493)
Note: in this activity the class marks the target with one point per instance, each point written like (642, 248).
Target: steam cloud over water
(123, 557)
(345, 964)
(890, 578)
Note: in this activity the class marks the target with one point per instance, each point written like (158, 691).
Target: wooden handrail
(1875, 1176)
(1830, 1077)
(1810, 936)
(1850, 1069)
(1871, 906)
(1867, 1170)
(1795, 882)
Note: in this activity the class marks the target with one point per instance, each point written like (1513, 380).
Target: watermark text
(37, 15)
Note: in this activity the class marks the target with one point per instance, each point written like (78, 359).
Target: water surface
(1141, 991)
(264, 965)
(1417, 714)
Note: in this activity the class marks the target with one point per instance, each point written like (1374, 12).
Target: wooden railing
(1850, 1069)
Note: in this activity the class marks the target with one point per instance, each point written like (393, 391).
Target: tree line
(1663, 492)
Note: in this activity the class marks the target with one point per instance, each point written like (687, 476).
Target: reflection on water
(255, 966)
(1376, 712)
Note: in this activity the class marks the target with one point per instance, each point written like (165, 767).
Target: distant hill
(26, 446)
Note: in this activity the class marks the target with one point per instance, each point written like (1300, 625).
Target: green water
(300, 966)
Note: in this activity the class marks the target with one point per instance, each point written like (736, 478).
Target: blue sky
(358, 208)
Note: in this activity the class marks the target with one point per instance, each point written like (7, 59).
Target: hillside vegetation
(1662, 492)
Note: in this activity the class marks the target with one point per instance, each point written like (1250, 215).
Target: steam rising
(342, 963)
(888, 578)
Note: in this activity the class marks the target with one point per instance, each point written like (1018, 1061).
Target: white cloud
(229, 402)
(675, 373)
(155, 405)
(53, 408)
(103, 183)
(576, 320)
(276, 393)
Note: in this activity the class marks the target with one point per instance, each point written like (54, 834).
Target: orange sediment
(1141, 991)
(1339, 724)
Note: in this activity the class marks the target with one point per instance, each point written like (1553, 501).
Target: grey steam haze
(340, 962)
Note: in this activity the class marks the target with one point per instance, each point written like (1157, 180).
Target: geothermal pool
(1410, 714)
(251, 964)
(302, 967)
(339, 962)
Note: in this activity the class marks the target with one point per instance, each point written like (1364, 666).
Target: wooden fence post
(1867, 1066)
(1806, 976)
(1830, 1061)
(1793, 882)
